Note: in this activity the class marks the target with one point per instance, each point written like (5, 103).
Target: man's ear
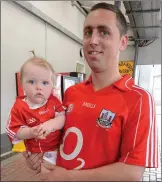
(124, 42)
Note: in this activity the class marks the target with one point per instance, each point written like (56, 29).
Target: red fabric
(21, 115)
(20, 91)
(130, 137)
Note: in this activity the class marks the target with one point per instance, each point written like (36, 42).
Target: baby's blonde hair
(40, 62)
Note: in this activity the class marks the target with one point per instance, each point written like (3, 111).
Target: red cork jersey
(21, 115)
(114, 124)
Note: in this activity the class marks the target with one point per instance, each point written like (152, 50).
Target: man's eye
(31, 81)
(45, 82)
(104, 32)
(88, 33)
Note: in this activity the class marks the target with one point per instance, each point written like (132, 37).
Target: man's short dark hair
(121, 21)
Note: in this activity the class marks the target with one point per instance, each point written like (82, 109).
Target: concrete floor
(15, 169)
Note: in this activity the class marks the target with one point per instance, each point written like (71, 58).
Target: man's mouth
(94, 52)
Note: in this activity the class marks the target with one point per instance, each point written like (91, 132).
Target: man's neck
(104, 79)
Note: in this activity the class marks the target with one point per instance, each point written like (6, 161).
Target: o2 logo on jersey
(105, 119)
(77, 149)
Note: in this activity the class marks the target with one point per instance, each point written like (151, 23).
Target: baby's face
(37, 83)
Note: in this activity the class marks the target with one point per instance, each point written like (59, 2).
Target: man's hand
(54, 174)
(34, 160)
(113, 172)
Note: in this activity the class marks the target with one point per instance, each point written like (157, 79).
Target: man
(110, 131)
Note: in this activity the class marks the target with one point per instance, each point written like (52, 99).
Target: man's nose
(94, 39)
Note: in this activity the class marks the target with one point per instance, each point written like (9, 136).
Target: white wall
(150, 54)
(64, 13)
(61, 51)
(127, 54)
(22, 32)
(17, 26)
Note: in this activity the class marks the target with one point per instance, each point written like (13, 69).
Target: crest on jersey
(105, 119)
(70, 108)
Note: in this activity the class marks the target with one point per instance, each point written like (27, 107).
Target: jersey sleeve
(139, 145)
(14, 123)
(59, 108)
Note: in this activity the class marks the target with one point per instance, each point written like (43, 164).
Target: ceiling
(142, 15)
(144, 18)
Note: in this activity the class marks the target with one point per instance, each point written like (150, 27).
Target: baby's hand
(45, 129)
(37, 132)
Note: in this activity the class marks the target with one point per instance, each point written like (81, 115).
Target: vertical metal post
(135, 57)
(117, 4)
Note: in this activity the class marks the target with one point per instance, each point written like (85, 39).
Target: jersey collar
(124, 84)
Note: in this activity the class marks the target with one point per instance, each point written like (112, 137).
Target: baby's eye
(45, 83)
(31, 81)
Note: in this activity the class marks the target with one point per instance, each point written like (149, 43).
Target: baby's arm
(16, 128)
(56, 123)
(28, 133)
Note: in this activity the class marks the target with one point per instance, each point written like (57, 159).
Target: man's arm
(113, 172)
(33, 160)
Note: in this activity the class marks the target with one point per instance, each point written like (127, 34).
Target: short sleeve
(59, 108)
(139, 145)
(14, 123)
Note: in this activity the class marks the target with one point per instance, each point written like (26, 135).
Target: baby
(37, 117)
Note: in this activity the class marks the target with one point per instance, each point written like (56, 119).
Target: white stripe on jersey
(134, 143)
(7, 127)
(151, 136)
(8, 133)
(150, 139)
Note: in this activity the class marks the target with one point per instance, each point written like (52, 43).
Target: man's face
(102, 42)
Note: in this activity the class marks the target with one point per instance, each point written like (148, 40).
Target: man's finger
(44, 170)
(36, 165)
(38, 170)
(48, 166)
(33, 159)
